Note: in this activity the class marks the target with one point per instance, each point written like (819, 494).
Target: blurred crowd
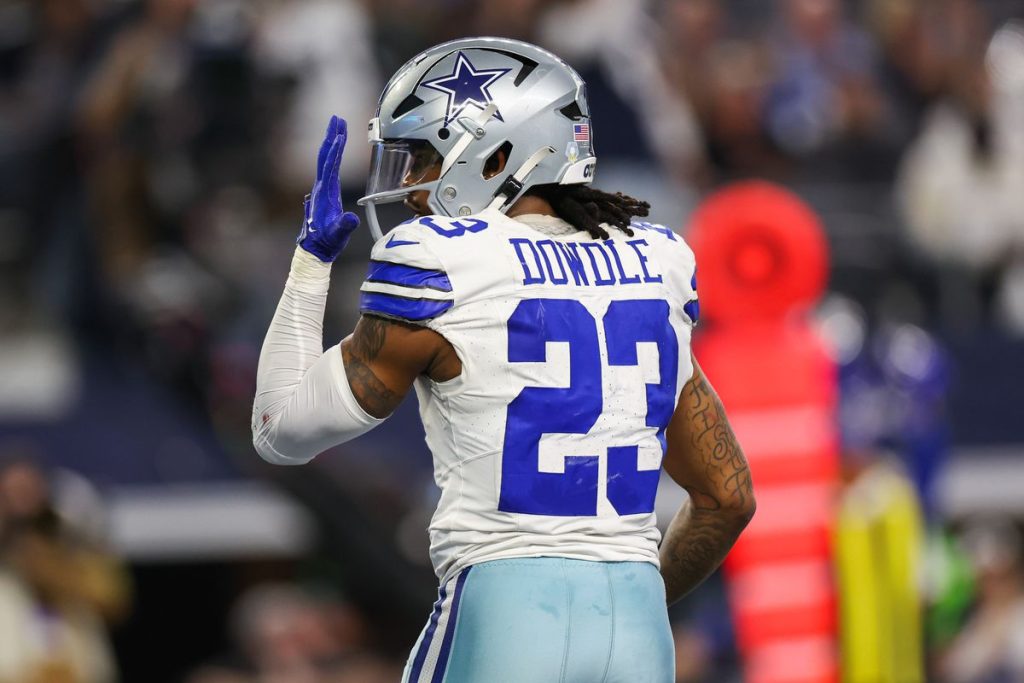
(154, 154)
(59, 584)
(990, 646)
(284, 633)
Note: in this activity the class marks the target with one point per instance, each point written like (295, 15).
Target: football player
(546, 331)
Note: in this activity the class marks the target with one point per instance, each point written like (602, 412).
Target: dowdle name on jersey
(592, 263)
(531, 306)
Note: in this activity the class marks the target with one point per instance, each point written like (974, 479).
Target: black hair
(586, 208)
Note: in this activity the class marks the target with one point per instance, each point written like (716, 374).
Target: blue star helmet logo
(466, 86)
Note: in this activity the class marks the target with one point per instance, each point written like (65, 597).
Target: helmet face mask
(448, 110)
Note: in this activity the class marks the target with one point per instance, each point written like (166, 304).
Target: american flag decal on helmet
(581, 132)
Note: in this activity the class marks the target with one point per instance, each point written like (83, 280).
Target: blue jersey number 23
(575, 409)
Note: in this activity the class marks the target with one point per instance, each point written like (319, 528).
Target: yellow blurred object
(54, 672)
(879, 543)
(56, 644)
(73, 575)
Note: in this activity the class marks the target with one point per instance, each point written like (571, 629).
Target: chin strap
(474, 127)
(510, 190)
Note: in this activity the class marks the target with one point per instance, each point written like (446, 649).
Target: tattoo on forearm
(695, 545)
(363, 347)
(714, 442)
(704, 530)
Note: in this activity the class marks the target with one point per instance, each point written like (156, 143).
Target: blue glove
(327, 226)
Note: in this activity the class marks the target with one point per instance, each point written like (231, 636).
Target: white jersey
(574, 352)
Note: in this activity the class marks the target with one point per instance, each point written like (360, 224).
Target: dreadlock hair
(586, 208)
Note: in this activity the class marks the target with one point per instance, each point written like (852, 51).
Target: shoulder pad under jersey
(680, 266)
(405, 279)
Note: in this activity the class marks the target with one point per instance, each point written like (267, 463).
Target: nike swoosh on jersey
(392, 242)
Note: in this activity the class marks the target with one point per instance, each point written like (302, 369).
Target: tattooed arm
(307, 399)
(704, 458)
(303, 407)
(384, 357)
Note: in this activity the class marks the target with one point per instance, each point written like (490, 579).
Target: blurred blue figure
(892, 396)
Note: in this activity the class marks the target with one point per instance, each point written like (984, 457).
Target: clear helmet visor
(397, 165)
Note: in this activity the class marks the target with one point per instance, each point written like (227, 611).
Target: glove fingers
(341, 129)
(327, 228)
(332, 167)
(325, 146)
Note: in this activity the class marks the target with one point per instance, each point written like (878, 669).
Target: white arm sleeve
(304, 404)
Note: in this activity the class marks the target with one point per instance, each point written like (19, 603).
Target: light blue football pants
(547, 620)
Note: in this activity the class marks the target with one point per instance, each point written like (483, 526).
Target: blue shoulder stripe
(408, 276)
(692, 310)
(404, 308)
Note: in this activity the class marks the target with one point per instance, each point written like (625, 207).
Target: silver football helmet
(459, 103)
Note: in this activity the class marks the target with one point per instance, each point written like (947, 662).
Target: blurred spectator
(824, 105)
(57, 586)
(644, 127)
(286, 635)
(40, 81)
(175, 120)
(723, 79)
(137, 118)
(960, 184)
(912, 66)
(322, 48)
(990, 649)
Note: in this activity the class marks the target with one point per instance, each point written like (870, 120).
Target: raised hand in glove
(327, 226)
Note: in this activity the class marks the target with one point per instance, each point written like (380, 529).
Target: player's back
(573, 351)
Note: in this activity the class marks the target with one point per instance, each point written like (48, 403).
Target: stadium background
(153, 157)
